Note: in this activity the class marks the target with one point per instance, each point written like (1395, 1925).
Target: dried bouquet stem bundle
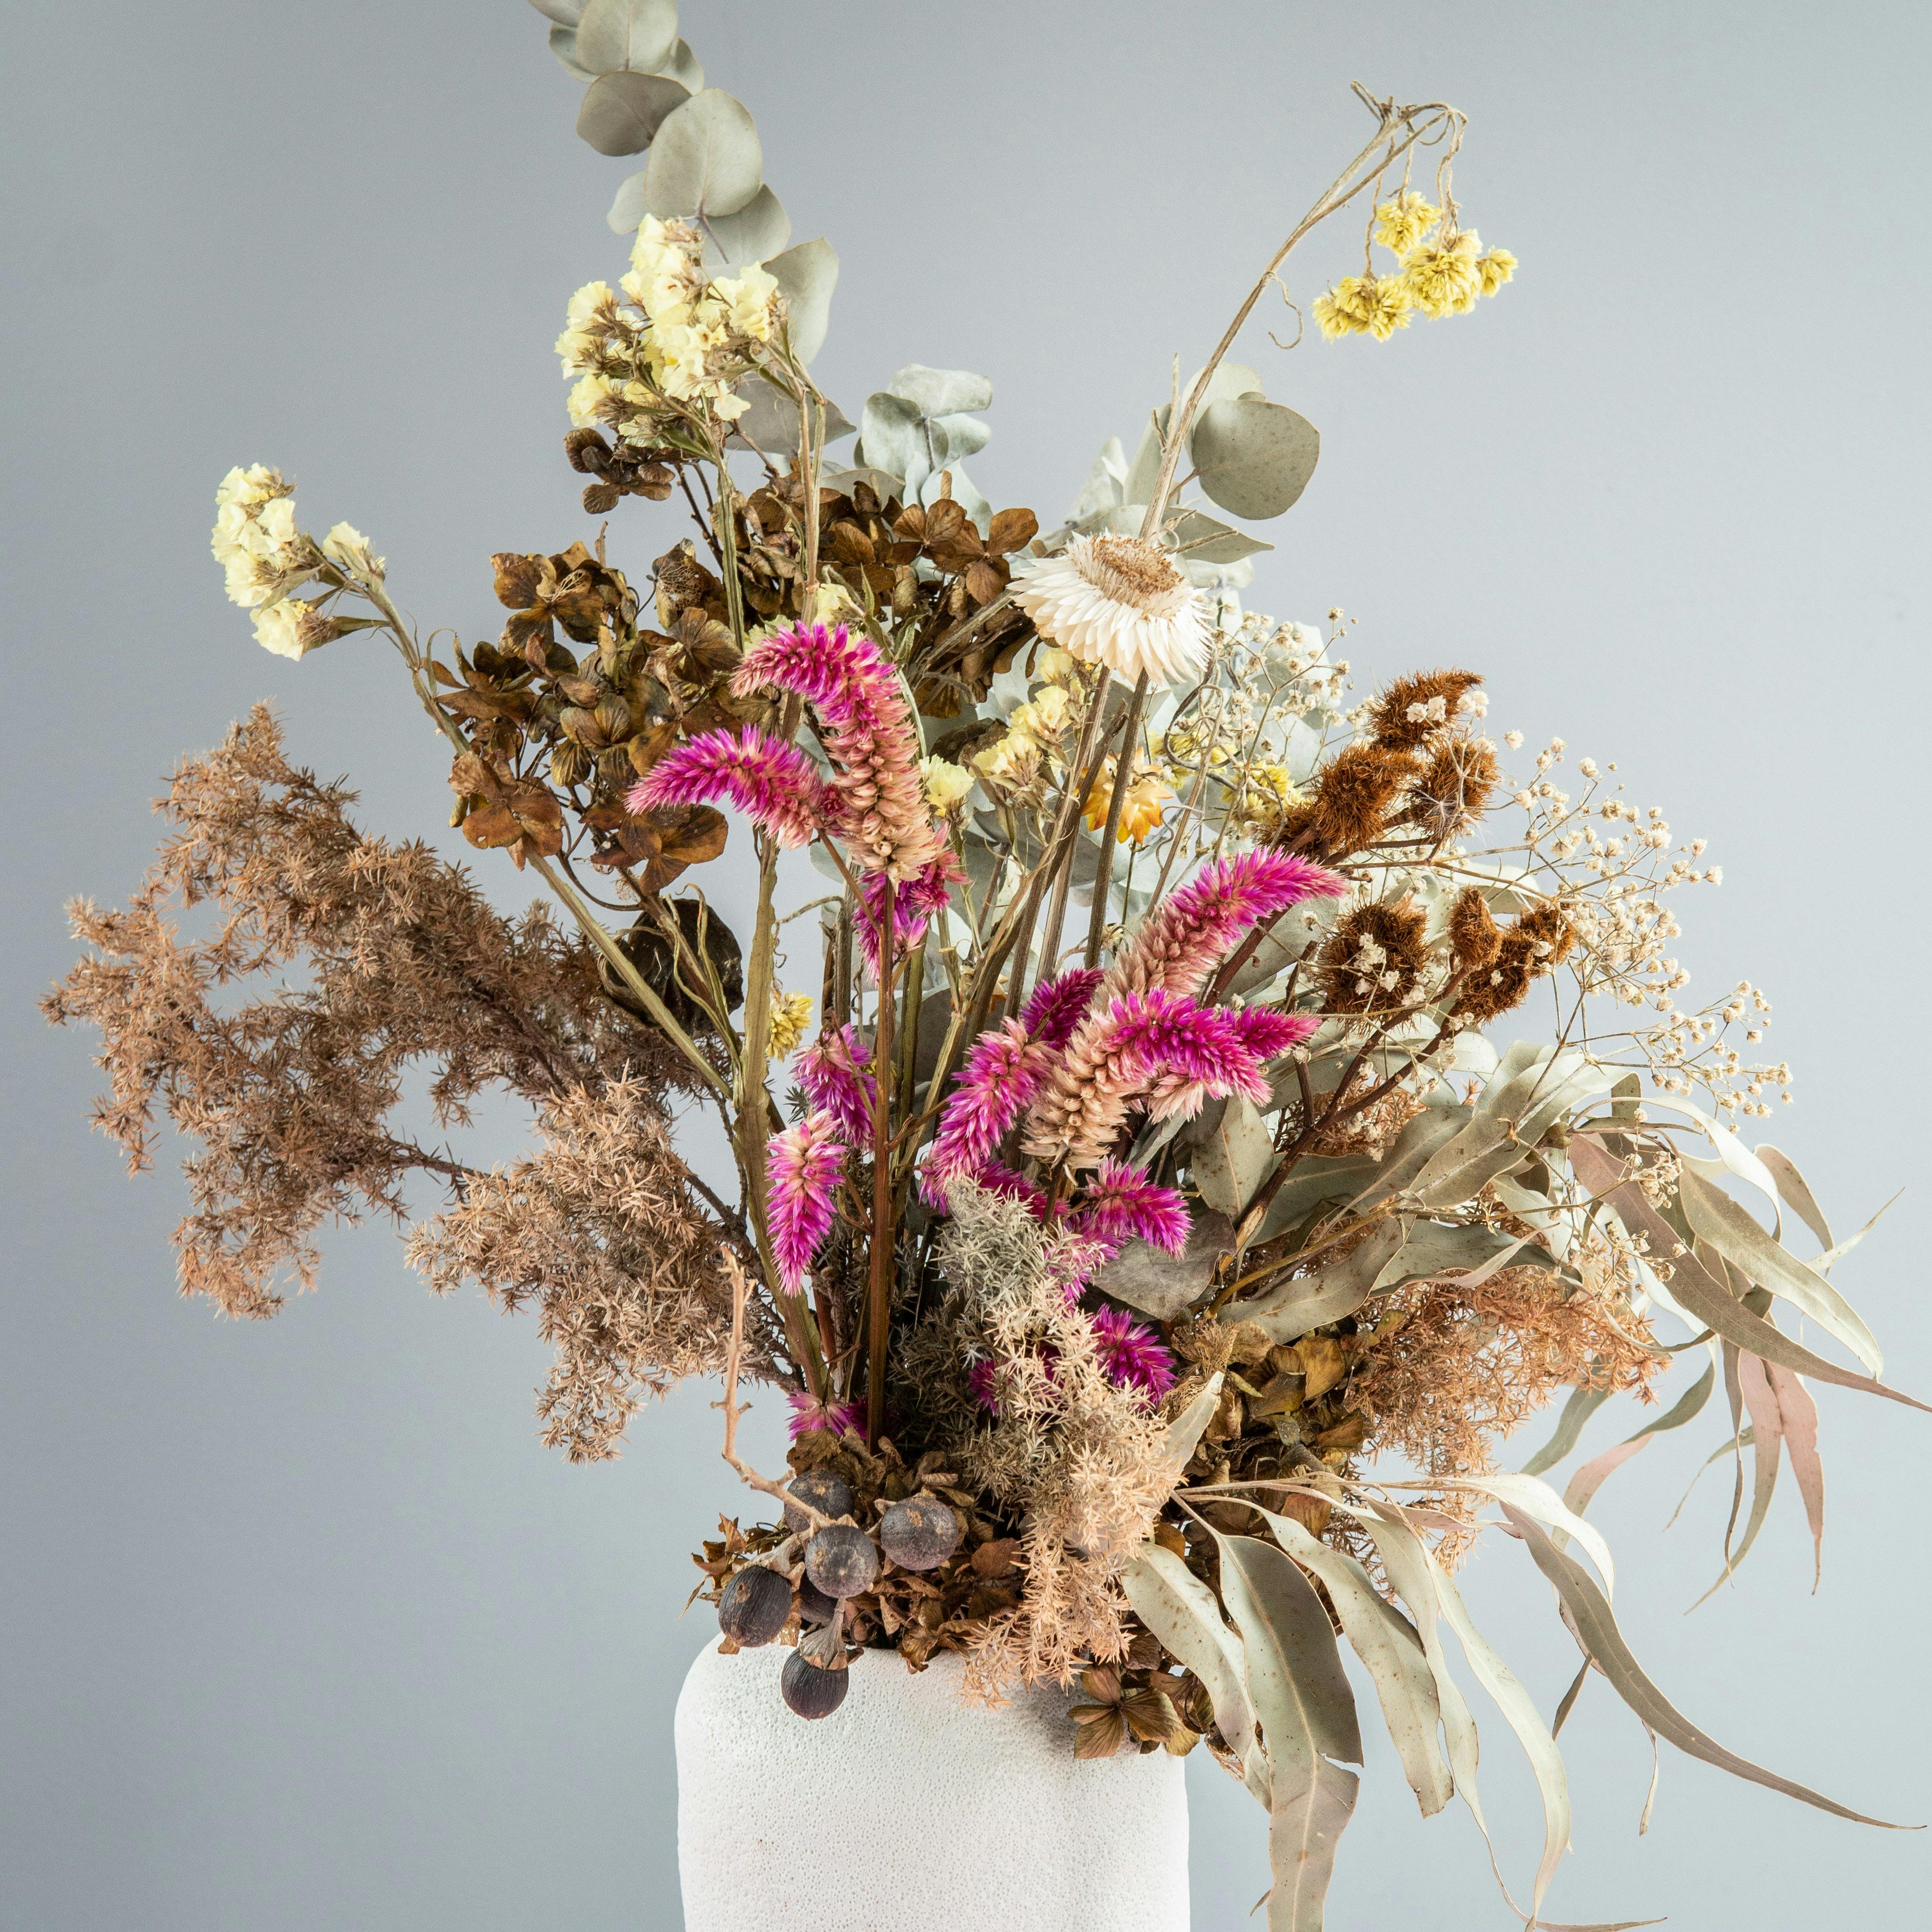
(1148, 1210)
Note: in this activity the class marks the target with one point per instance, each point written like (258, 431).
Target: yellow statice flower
(1402, 223)
(1141, 809)
(1496, 268)
(751, 300)
(1054, 665)
(947, 784)
(1266, 798)
(1441, 276)
(1013, 762)
(1375, 305)
(587, 323)
(790, 1013)
(666, 274)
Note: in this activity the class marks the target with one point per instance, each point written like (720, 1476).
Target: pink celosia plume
(1132, 1355)
(802, 1171)
(1117, 1054)
(1119, 1204)
(913, 903)
(772, 783)
(1192, 932)
(836, 1072)
(1057, 1006)
(867, 729)
(1002, 1074)
(1264, 1033)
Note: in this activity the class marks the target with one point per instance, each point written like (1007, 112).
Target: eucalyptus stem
(1096, 925)
(879, 1288)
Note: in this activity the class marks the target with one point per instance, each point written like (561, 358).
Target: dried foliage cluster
(1150, 1214)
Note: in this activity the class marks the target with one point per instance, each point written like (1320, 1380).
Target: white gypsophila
(1118, 601)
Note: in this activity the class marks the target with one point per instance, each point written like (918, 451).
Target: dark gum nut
(814, 1606)
(810, 1691)
(840, 1560)
(824, 1490)
(920, 1533)
(754, 1605)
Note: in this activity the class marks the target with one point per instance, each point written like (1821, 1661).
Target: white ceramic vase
(907, 1807)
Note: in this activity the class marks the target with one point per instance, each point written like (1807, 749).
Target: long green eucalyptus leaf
(1583, 1404)
(1597, 1628)
(1301, 1695)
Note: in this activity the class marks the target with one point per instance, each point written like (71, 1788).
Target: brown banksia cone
(1535, 946)
(1374, 959)
(1458, 779)
(1352, 796)
(1412, 708)
(1475, 937)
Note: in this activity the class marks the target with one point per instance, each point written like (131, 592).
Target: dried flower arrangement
(1154, 1182)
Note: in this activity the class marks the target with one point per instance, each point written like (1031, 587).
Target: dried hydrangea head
(1119, 602)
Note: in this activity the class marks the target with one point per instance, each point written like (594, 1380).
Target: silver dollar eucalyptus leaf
(941, 392)
(621, 112)
(807, 274)
(627, 205)
(612, 35)
(565, 13)
(563, 44)
(684, 66)
(1255, 458)
(1162, 1284)
(759, 229)
(706, 159)
(771, 424)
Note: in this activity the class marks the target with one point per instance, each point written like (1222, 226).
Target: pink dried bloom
(1119, 1204)
(867, 726)
(1264, 1033)
(1132, 1355)
(1113, 1058)
(913, 902)
(836, 1072)
(979, 1384)
(802, 1171)
(982, 1378)
(808, 1413)
(1002, 1074)
(772, 783)
(1195, 929)
(1057, 1006)
(1073, 1259)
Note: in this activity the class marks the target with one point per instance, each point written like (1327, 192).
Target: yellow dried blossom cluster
(1142, 806)
(947, 784)
(791, 1014)
(1442, 272)
(677, 335)
(264, 557)
(1034, 730)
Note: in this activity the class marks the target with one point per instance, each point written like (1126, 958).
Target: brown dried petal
(1011, 530)
(516, 579)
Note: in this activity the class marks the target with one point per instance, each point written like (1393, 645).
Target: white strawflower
(1118, 601)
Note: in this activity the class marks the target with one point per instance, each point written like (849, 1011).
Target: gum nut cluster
(824, 1490)
(919, 1534)
(755, 1606)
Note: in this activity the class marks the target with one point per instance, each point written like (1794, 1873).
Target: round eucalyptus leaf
(706, 159)
(892, 433)
(955, 437)
(563, 44)
(1199, 539)
(613, 34)
(627, 206)
(941, 392)
(807, 273)
(1254, 458)
(622, 112)
(760, 229)
(771, 423)
(685, 67)
(565, 13)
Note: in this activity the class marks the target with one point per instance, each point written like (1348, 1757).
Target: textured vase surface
(907, 1807)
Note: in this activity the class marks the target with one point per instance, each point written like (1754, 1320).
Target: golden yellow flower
(1496, 268)
(1266, 798)
(1141, 809)
(1375, 305)
(1405, 220)
(1441, 276)
(790, 1013)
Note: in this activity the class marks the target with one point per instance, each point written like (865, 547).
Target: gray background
(302, 1628)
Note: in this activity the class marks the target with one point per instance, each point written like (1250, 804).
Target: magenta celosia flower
(1263, 1032)
(867, 726)
(836, 1072)
(1119, 1204)
(1001, 1075)
(772, 783)
(1057, 1006)
(913, 904)
(808, 1413)
(802, 1171)
(979, 1383)
(1132, 1355)
(1116, 1056)
(1188, 938)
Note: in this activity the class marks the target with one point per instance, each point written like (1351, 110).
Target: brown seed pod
(1453, 790)
(920, 1533)
(1409, 712)
(1352, 796)
(1374, 960)
(1474, 938)
(824, 1490)
(842, 1561)
(755, 1606)
(810, 1690)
